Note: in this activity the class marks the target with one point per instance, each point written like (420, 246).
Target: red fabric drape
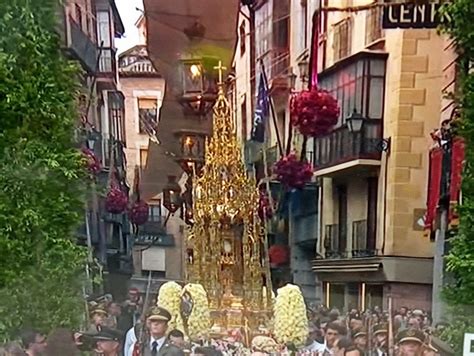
(434, 186)
(314, 57)
(457, 160)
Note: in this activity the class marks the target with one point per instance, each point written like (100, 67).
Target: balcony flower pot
(138, 213)
(292, 172)
(116, 201)
(91, 161)
(314, 112)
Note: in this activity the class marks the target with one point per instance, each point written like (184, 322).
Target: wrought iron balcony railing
(341, 145)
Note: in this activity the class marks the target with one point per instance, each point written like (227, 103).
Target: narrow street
(253, 177)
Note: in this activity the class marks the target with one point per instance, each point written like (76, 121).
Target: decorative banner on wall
(434, 187)
(400, 15)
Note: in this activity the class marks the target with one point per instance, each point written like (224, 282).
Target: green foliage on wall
(41, 189)
(460, 261)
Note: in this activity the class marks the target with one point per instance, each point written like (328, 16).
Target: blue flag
(261, 112)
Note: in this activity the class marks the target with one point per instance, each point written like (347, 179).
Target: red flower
(265, 210)
(92, 162)
(314, 112)
(278, 255)
(292, 172)
(116, 201)
(138, 213)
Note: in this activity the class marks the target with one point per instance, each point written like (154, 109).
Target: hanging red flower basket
(138, 213)
(278, 255)
(92, 162)
(116, 201)
(292, 172)
(265, 209)
(314, 112)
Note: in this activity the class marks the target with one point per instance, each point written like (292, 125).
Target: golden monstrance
(225, 246)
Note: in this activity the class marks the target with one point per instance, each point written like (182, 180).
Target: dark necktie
(154, 347)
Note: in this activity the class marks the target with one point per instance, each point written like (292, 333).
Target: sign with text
(400, 15)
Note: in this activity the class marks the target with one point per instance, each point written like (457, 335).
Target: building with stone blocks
(373, 182)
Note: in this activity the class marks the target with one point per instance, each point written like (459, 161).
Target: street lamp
(172, 195)
(292, 80)
(198, 95)
(303, 67)
(92, 137)
(355, 122)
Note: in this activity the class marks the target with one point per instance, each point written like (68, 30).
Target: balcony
(342, 146)
(107, 73)
(79, 45)
(358, 83)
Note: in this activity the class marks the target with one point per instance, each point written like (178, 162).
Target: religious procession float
(228, 299)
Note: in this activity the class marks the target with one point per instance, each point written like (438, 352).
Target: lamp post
(92, 137)
(355, 122)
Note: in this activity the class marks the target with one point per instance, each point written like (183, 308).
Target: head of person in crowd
(403, 311)
(34, 342)
(98, 314)
(206, 351)
(414, 322)
(176, 338)
(264, 345)
(133, 295)
(61, 342)
(380, 332)
(437, 347)
(172, 350)
(114, 309)
(410, 342)
(345, 346)
(157, 322)
(355, 321)
(107, 341)
(334, 314)
(397, 322)
(359, 337)
(314, 334)
(333, 332)
(12, 349)
(420, 315)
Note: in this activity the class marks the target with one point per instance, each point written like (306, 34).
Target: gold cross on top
(220, 68)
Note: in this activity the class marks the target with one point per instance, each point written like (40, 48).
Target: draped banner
(457, 160)
(434, 187)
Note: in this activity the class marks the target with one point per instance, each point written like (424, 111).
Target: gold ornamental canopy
(225, 245)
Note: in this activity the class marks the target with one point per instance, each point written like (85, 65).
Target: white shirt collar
(159, 341)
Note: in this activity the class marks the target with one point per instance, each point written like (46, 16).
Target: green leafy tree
(460, 262)
(41, 179)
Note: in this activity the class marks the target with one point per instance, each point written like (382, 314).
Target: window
(373, 29)
(242, 38)
(103, 30)
(78, 11)
(304, 23)
(147, 115)
(359, 237)
(358, 86)
(154, 211)
(143, 157)
(243, 113)
(342, 39)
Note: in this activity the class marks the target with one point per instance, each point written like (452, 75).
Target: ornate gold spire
(225, 241)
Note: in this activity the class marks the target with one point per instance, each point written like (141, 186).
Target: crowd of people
(374, 333)
(117, 329)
